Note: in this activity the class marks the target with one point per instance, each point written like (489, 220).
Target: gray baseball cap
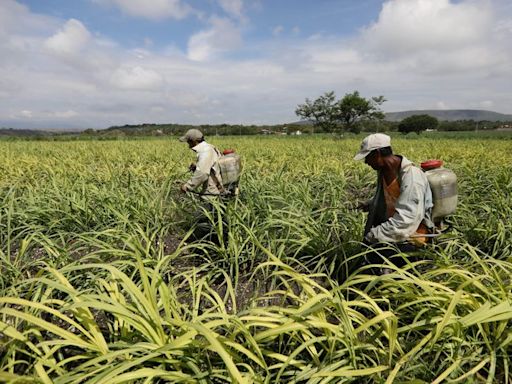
(192, 134)
(372, 142)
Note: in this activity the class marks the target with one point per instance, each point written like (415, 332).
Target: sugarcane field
(255, 192)
(103, 281)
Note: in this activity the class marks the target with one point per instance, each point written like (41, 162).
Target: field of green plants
(101, 282)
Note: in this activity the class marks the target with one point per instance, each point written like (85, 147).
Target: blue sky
(298, 17)
(97, 63)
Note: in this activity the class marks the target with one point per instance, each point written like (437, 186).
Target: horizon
(71, 130)
(100, 63)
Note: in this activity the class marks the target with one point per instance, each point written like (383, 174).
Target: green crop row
(101, 282)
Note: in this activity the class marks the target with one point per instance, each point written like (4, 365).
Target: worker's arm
(202, 171)
(409, 213)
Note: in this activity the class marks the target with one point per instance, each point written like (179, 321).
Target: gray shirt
(413, 207)
(206, 163)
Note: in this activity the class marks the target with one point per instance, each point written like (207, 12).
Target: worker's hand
(184, 188)
(370, 238)
(364, 206)
(192, 167)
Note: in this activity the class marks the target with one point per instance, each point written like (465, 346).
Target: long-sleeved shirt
(206, 163)
(413, 207)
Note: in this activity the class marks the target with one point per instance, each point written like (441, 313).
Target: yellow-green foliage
(101, 282)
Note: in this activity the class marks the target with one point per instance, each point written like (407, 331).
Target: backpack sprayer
(230, 166)
(443, 184)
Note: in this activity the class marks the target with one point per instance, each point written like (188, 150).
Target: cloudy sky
(97, 63)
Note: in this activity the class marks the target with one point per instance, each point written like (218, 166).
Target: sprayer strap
(213, 174)
(218, 184)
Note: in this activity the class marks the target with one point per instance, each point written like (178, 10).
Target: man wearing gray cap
(207, 178)
(206, 169)
(401, 210)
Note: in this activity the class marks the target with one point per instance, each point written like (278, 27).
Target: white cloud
(277, 30)
(44, 115)
(441, 105)
(137, 78)
(408, 26)
(151, 9)
(232, 7)
(330, 56)
(157, 109)
(208, 44)
(70, 39)
(187, 99)
(504, 26)
(19, 33)
(81, 78)
(439, 40)
(487, 104)
(17, 18)
(63, 114)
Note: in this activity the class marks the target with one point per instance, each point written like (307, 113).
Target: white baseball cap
(192, 134)
(372, 142)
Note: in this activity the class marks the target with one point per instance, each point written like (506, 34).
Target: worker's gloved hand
(192, 167)
(364, 206)
(370, 238)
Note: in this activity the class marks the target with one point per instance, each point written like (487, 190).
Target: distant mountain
(302, 122)
(452, 115)
(23, 132)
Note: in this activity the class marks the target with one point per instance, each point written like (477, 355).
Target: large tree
(417, 123)
(353, 109)
(320, 111)
(329, 114)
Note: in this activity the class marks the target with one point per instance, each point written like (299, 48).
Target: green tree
(353, 109)
(417, 123)
(347, 113)
(321, 111)
(451, 126)
(89, 131)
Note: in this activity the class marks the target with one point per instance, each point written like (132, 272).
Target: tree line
(325, 114)
(354, 113)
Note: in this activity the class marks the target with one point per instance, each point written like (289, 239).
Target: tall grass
(101, 281)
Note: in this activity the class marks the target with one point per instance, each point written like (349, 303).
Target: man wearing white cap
(207, 178)
(401, 210)
(206, 169)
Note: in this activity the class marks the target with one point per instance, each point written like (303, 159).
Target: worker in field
(400, 212)
(206, 173)
(206, 181)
